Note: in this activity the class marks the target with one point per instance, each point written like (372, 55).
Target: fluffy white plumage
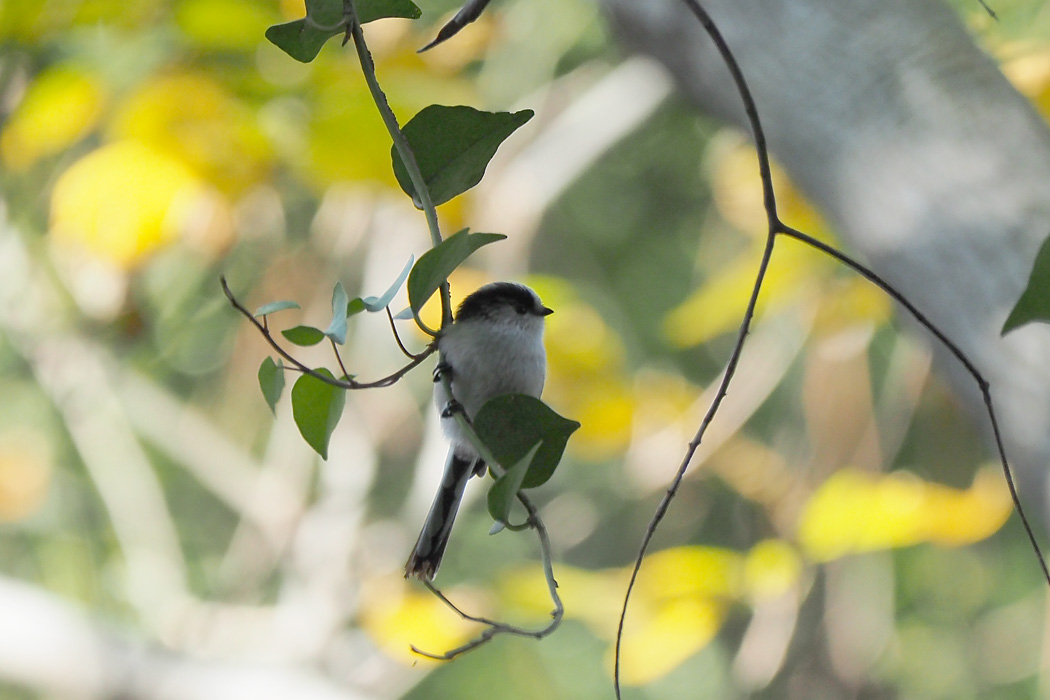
(495, 347)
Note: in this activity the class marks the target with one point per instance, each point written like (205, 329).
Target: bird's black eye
(521, 310)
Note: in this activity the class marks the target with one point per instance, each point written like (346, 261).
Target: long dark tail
(430, 547)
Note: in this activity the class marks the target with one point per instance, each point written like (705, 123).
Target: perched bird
(494, 347)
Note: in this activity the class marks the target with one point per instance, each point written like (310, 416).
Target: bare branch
(954, 349)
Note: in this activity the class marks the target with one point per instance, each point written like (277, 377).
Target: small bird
(495, 347)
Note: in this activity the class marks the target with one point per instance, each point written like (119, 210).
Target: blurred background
(842, 532)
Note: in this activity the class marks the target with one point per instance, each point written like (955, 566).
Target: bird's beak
(546, 311)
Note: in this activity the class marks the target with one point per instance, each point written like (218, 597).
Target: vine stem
(770, 205)
(368, 68)
(348, 384)
(971, 369)
(775, 228)
(494, 627)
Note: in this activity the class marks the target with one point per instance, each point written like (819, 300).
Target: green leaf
(437, 264)
(340, 308)
(303, 336)
(379, 303)
(317, 408)
(274, 307)
(505, 490)
(453, 146)
(511, 424)
(303, 38)
(355, 306)
(1034, 304)
(371, 10)
(271, 381)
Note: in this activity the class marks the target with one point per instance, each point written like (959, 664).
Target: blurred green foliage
(146, 147)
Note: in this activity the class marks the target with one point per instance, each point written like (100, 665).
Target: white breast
(489, 360)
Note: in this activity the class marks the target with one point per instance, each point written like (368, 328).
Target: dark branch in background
(769, 201)
(348, 384)
(776, 227)
(989, 10)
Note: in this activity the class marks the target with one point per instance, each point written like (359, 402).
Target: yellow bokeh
(25, 476)
(605, 410)
(61, 106)
(398, 617)
(857, 511)
(654, 646)
(232, 25)
(717, 306)
(588, 596)
(1030, 74)
(122, 202)
(678, 605)
(796, 272)
(736, 187)
(586, 377)
(691, 571)
(193, 119)
(849, 300)
(771, 568)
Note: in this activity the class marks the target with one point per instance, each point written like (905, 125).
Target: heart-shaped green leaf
(1034, 304)
(511, 424)
(437, 264)
(271, 381)
(317, 408)
(355, 306)
(505, 490)
(302, 39)
(304, 336)
(453, 146)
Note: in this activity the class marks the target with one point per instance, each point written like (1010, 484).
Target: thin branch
(989, 10)
(776, 227)
(401, 145)
(954, 349)
(339, 358)
(397, 336)
(770, 204)
(494, 627)
(348, 384)
(694, 444)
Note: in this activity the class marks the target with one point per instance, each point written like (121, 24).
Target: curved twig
(397, 337)
(952, 348)
(348, 384)
(494, 627)
(770, 204)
